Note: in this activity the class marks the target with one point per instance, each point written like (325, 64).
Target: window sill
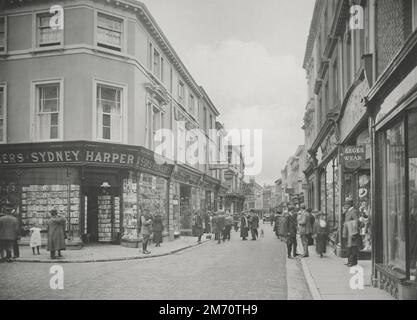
(47, 48)
(116, 53)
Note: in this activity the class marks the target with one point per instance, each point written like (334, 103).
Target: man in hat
(291, 232)
(244, 226)
(350, 211)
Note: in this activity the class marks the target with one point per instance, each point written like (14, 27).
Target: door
(92, 214)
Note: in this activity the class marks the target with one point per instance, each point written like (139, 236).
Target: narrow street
(231, 270)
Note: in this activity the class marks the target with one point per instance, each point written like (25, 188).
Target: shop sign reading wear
(353, 156)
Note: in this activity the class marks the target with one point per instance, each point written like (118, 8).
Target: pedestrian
(35, 238)
(350, 211)
(353, 239)
(207, 225)
(220, 226)
(304, 229)
(228, 227)
(310, 226)
(214, 219)
(254, 225)
(145, 231)
(56, 233)
(9, 231)
(16, 251)
(291, 233)
(244, 226)
(198, 226)
(321, 233)
(157, 228)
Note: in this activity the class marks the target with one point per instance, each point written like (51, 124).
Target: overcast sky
(248, 56)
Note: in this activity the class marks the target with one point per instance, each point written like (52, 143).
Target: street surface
(234, 269)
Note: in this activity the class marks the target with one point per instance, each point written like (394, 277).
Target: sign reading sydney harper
(353, 156)
(81, 154)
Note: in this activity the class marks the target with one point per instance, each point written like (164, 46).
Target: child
(35, 238)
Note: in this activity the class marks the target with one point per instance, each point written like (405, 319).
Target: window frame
(149, 125)
(3, 85)
(36, 32)
(181, 91)
(110, 47)
(123, 109)
(34, 105)
(3, 49)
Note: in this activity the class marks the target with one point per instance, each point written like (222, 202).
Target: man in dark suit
(9, 232)
(291, 232)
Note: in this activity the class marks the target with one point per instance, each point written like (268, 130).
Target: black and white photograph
(211, 153)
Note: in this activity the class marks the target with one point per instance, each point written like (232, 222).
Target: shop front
(355, 154)
(392, 105)
(189, 191)
(100, 188)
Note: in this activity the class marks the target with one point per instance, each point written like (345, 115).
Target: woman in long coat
(244, 227)
(157, 228)
(56, 233)
(321, 233)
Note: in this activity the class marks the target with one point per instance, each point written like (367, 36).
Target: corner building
(79, 110)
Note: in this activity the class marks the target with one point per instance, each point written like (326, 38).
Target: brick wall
(393, 27)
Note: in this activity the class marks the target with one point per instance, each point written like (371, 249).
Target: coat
(291, 224)
(351, 233)
(9, 228)
(157, 225)
(254, 222)
(310, 223)
(145, 228)
(321, 234)
(302, 221)
(351, 214)
(243, 227)
(56, 233)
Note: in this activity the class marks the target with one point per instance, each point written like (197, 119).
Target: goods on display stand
(38, 200)
(153, 196)
(116, 222)
(104, 218)
(130, 211)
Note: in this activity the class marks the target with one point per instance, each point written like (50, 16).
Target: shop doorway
(185, 210)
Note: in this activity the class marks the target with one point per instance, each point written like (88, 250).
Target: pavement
(108, 252)
(329, 279)
(231, 270)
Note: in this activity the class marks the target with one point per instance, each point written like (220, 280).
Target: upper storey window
(109, 32)
(47, 36)
(2, 34)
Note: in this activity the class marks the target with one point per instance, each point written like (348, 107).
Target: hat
(349, 201)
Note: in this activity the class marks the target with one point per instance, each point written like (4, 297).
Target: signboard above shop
(353, 156)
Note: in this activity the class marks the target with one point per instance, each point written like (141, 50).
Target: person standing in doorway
(56, 233)
(145, 231)
(9, 231)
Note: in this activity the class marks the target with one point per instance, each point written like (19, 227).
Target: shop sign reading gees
(353, 156)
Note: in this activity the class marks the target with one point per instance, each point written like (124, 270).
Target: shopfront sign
(354, 156)
(69, 153)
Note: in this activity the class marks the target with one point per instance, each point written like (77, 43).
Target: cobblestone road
(231, 270)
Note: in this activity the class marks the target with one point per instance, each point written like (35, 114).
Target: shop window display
(392, 154)
(412, 169)
(130, 210)
(153, 196)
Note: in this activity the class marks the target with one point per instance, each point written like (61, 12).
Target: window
(191, 104)
(3, 34)
(181, 91)
(392, 175)
(156, 64)
(211, 122)
(205, 119)
(335, 84)
(155, 121)
(109, 32)
(109, 113)
(46, 36)
(162, 70)
(3, 114)
(48, 112)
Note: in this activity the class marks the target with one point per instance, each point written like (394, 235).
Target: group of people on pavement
(249, 222)
(311, 226)
(10, 235)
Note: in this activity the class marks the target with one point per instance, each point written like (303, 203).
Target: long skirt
(321, 243)
(244, 232)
